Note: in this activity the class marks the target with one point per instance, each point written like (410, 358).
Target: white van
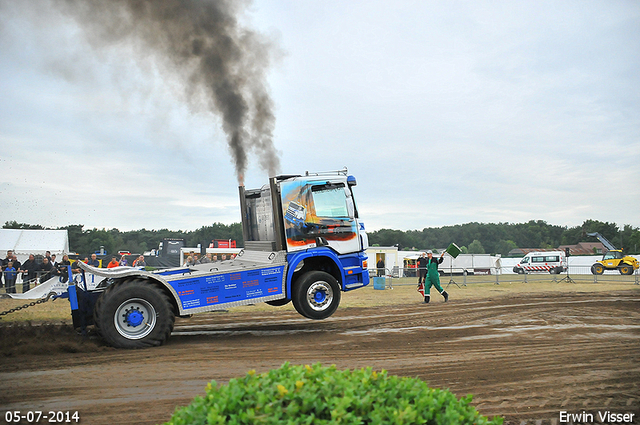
(554, 262)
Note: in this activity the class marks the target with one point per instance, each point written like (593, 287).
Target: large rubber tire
(134, 314)
(597, 268)
(626, 269)
(316, 295)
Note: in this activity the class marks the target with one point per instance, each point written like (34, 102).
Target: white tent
(24, 242)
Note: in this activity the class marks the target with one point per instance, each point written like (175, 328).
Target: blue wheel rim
(135, 318)
(320, 295)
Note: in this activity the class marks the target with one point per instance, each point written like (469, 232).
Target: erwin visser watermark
(602, 417)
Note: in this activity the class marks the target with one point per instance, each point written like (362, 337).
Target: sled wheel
(316, 295)
(134, 314)
(626, 269)
(597, 268)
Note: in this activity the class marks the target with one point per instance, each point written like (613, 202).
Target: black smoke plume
(220, 64)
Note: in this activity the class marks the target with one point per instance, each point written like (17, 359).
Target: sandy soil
(524, 357)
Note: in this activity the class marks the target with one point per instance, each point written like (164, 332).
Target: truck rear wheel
(316, 295)
(134, 314)
(626, 269)
(597, 268)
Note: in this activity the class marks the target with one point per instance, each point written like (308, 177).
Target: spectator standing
(113, 263)
(94, 261)
(421, 266)
(5, 262)
(380, 267)
(62, 269)
(10, 274)
(16, 264)
(76, 267)
(29, 272)
(46, 270)
(139, 262)
(123, 261)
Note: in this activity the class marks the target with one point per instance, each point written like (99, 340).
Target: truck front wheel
(134, 314)
(316, 295)
(597, 268)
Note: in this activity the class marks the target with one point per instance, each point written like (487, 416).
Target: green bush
(324, 395)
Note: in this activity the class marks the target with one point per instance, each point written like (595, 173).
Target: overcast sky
(445, 112)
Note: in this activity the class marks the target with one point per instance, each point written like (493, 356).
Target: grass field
(403, 292)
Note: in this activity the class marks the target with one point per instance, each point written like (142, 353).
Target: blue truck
(304, 243)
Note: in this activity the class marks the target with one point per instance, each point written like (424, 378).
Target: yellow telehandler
(613, 259)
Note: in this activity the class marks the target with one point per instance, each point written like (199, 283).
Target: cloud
(446, 114)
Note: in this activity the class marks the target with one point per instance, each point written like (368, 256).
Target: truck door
(318, 213)
(353, 212)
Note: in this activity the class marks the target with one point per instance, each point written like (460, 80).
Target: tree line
(475, 238)
(500, 238)
(86, 241)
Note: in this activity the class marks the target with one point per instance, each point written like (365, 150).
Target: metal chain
(31, 304)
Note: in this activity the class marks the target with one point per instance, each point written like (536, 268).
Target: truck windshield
(330, 202)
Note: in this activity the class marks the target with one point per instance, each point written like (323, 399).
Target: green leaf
(315, 394)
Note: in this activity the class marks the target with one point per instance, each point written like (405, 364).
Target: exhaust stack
(243, 213)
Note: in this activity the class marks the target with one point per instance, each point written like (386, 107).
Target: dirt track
(525, 358)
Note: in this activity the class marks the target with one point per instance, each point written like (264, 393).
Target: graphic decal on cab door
(319, 213)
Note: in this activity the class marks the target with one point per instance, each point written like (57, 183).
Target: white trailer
(478, 264)
(468, 264)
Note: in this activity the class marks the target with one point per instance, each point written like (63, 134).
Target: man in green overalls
(433, 278)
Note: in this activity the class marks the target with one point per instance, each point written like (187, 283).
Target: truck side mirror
(320, 241)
